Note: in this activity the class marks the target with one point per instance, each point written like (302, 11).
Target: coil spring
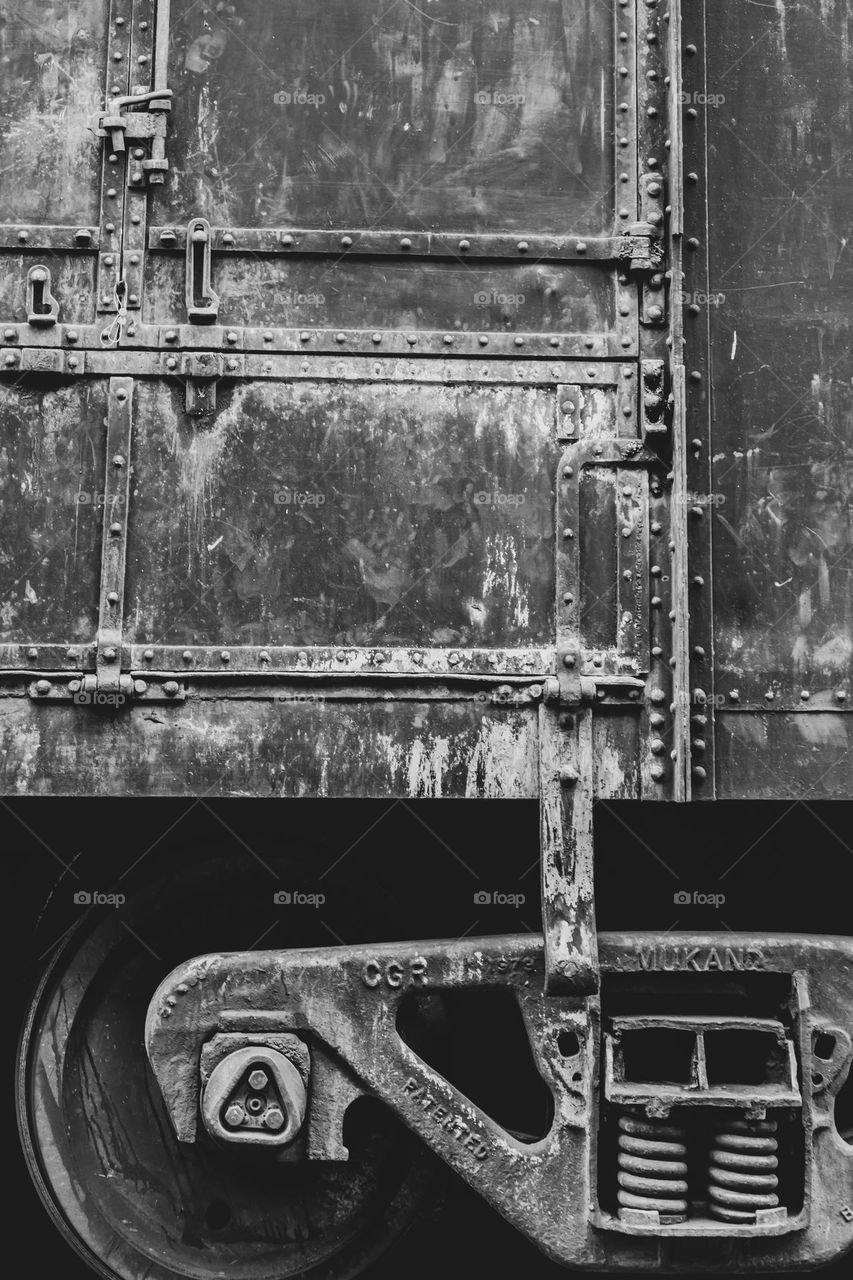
(652, 1160)
(741, 1178)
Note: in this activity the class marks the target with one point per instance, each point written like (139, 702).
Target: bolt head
(109, 655)
(235, 1115)
(273, 1118)
(258, 1080)
(171, 688)
(43, 687)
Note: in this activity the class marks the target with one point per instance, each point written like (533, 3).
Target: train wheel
(131, 1199)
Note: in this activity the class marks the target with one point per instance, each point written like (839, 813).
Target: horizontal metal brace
(42, 360)
(626, 249)
(90, 691)
(34, 237)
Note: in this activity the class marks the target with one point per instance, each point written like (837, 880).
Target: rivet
(115, 530)
(553, 342)
(172, 362)
(187, 655)
(634, 694)
(148, 655)
(697, 513)
(377, 337)
(698, 745)
(568, 777)
(568, 534)
(43, 687)
(411, 338)
(657, 773)
(10, 335)
(698, 580)
(628, 575)
(231, 336)
(568, 598)
(569, 659)
(304, 337)
(346, 241)
(698, 652)
(453, 659)
(340, 337)
(522, 246)
(140, 686)
(231, 365)
(171, 688)
(657, 746)
(483, 340)
(10, 360)
(109, 655)
(769, 696)
(74, 686)
(657, 696)
(228, 238)
(693, 178)
(699, 774)
(693, 243)
(655, 313)
(657, 651)
(656, 720)
(656, 602)
(268, 335)
(405, 243)
(734, 695)
(690, 50)
(692, 113)
(112, 598)
(581, 246)
(694, 308)
(171, 335)
(225, 656)
(841, 696)
(519, 342)
(448, 339)
(73, 362)
(111, 192)
(627, 531)
(108, 259)
(804, 695)
(118, 461)
(568, 472)
(287, 242)
(656, 571)
(464, 245)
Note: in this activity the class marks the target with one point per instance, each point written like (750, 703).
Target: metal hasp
(666, 1127)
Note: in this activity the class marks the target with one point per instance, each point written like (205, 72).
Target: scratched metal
(382, 293)
(469, 116)
(52, 457)
(781, 286)
(325, 514)
(72, 284)
(54, 57)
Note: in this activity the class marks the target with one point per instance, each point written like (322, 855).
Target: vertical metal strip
(114, 164)
(108, 662)
(693, 430)
(632, 565)
(566, 849)
(136, 206)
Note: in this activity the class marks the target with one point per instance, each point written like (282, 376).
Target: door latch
(121, 124)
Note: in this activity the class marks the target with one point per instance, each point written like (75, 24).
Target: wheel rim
(132, 1200)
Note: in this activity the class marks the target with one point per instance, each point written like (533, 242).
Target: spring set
(742, 1173)
(652, 1162)
(653, 1166)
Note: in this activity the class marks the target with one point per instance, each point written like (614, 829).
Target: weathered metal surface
(293, 744)
(461, 119)
(451, 543)
(330, 997)
(781, 276)
(801, 754)
(51, 505)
